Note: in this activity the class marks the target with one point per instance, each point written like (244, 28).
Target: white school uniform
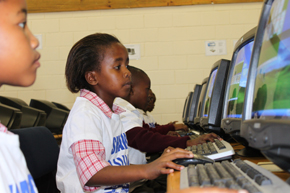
(14, 174)
(131, 118)
(87, 121)
(147, 118)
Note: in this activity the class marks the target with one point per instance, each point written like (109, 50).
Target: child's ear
(91, 77)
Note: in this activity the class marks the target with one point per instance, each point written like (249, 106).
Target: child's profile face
(114, 79)
(139, 99)
(18, 57)
(151, 101)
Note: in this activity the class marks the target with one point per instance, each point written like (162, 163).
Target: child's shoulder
(84, 107)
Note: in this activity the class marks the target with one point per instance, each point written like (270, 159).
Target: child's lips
(128, 84)
(36, 61)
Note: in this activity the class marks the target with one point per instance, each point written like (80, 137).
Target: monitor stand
(249, 152)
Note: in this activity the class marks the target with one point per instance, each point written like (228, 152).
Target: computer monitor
(10, 117)
(30, 116)
(200, 103)
(266, 118)
(193, 105)
(56, 117)
(186, 107)
(235, 90)
(213, 102)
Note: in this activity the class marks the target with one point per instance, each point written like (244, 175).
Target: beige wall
(172, 43)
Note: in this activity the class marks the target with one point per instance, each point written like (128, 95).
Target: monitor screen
(238, 81)
(209, 92)
(272, 86)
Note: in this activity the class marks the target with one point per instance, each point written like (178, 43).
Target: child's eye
(117, 67)
(22, 24)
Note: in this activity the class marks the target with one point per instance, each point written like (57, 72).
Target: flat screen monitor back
(266, 118)
(186, 107)
(200, 102)
(193, 104)
(235, 90)
(213, 104)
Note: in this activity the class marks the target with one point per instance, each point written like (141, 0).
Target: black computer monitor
(266, 116)
(193, 105)
(30, 116)
(186, 107)
(235, 90)
(196, 119)
(10, 117)
(213, 102)
(56, 117)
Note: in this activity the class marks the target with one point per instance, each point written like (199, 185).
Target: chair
(61, 106)
(30, 116)
(41, 153)
(10, 117)
(56, 117)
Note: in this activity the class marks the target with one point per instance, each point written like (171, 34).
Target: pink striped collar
(97, 101)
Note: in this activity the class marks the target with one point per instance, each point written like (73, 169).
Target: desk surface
(174, 178)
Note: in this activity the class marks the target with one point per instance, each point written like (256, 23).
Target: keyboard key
(232, 170)
(213, 175)
(219, 144)
(220, 184)
(262, 180)
(211, 147)
(252, 189)
(192, 176)
(224, 175)
(232, 184)
(203, 177)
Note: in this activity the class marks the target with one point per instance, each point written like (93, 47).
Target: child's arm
(113, 175)
(152, 142)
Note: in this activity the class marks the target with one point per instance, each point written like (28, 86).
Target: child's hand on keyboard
(173, 133)
(202, 139)
(180, 126)
(207, 190)
(164, 164)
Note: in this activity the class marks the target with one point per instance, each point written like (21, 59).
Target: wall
(172, 43)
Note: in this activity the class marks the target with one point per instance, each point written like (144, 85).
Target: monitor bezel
(197, 118)
(270, 136)
(212, 121)
(194, 101)
(232, 125)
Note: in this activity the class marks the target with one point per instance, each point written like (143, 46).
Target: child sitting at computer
(18, 65)
(149, 121)
(94, 142)
(142, 139)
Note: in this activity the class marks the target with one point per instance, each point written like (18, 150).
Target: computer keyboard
(217, 150)
(238, 174)
(191, 134)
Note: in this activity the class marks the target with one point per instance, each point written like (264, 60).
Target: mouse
(197, 159)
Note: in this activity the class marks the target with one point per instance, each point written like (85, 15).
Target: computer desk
(173, 179)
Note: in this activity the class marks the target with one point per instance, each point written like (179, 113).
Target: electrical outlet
(133, 51)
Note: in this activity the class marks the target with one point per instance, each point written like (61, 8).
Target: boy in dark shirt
(146, 139)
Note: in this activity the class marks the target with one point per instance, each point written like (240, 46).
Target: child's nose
(33, 40)
(127, 73)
